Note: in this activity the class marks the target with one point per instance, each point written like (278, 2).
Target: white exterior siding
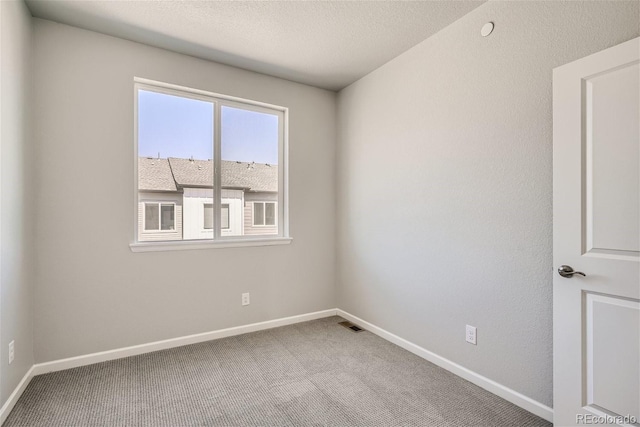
(194, 201)
(249, 228)
(235, 200)
(155, 236)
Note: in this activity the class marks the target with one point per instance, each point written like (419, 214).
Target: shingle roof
(192, 173)
(252, 176)
(175, 173)
(155, 175)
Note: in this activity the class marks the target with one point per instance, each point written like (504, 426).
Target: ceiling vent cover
(351, 326)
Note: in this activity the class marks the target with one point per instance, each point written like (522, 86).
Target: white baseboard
(506, 393)
(74, 362)
(11, 401)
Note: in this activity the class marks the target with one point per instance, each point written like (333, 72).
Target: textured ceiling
(328, 44)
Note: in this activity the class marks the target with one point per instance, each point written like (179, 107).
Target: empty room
(319, 213)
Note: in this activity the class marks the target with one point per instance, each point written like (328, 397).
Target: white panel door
(596, 231)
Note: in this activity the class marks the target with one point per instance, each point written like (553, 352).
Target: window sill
(192, 245)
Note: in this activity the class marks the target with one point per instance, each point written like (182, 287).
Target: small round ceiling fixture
(486, 29)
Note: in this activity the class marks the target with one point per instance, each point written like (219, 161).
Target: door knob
(568, 272)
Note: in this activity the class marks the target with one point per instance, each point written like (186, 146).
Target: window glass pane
(225, 217)
(175, 148)
(249, 147)
(270, 214)
(151, 216)
(258, 214)
(167, 217)
(208, 216)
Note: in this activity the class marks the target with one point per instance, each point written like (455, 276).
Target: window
(159, 216)
(225, 216)
(204, 154)
(258, 214)
(264, 213)
(208, 216)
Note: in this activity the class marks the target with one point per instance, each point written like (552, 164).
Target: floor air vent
(351, 326)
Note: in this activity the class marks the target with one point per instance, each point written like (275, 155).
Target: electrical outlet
(471, 334)
(11, 352)
(245, 299)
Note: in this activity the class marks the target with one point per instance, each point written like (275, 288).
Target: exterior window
(159, 216)
(269, 214)
(225, 216)
(258, 213)
(208, 177)
(264, 213)
(152, 217)
(208, 216)
(167, 217)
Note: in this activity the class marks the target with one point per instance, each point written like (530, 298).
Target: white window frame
(219, 101)
(204, 217)
(264, 214)
(228, 227)
(204, 229)
(159, 230)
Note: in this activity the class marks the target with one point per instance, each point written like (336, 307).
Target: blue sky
(183, 127)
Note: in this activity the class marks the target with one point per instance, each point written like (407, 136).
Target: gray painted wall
(92, 292)
(444, 194)
(444, 187)
(16, 200)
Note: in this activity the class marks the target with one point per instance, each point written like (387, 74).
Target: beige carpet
(316, 373)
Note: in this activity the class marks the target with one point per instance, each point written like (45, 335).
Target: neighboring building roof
(174, 173)
(155, 175)
(192, 173)
(251, 176)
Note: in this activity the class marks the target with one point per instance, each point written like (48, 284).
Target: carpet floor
(315, 373)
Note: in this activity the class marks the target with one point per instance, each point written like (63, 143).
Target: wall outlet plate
(246, 299)
(471, 335)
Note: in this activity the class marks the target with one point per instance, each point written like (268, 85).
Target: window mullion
(283, 179)
(217, 171)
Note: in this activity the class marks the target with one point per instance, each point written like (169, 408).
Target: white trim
(103, 356)
(283, 177)
(159, 230)
(506, 393)
(187, 245)
(217, 170)
(200, 94)
(13, 398)
(264, 214)
(498, 389)
(136, 192)
(282, 212)
(220, 101)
